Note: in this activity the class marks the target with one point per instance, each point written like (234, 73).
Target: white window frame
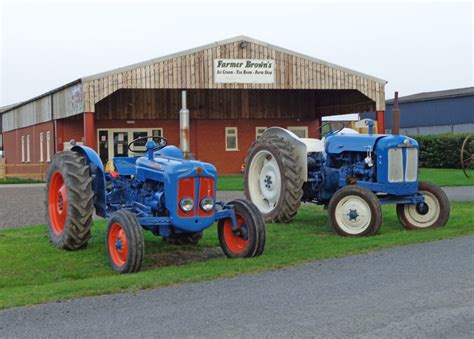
(48, 146)
(22, 148)
(257, 134)
(41, 137)
(129, 131)
(227, 129)
(28, 148)
(299, 128)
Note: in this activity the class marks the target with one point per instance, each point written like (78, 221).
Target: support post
(58, 135)
(89, 130)
(380, 122)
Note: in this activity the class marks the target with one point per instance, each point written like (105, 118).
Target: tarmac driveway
(420, 291)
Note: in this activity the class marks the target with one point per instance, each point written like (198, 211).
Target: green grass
(19, 181)
(33, 271)
(446, 177)
(438, 176)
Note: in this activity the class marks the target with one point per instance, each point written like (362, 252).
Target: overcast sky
(415, 46)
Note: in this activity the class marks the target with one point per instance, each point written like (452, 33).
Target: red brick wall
(12, 147)
(208, 136)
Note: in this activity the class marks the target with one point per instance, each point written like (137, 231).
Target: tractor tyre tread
(290, 199)
(77, 229)
(372, 201)
(134, 233)
(251, 213)
(443, 200)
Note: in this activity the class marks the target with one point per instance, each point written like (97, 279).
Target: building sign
(244, 71)
(76, 98)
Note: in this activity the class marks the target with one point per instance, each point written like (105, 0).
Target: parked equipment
(161, 192)
(352, 175)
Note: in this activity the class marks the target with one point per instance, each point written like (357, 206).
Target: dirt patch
(183, 257)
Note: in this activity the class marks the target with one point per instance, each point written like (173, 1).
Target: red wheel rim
(57, 202)
(235, 241)
(118, 245)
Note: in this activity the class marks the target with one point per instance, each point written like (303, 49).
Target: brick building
(235, 89)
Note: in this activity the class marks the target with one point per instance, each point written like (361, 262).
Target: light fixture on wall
(243, 44)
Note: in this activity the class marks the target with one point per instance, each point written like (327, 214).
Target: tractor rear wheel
(273, 180)
(249, 239)
(69, 201)
(355, 211)
(433, 213)
(124, 242)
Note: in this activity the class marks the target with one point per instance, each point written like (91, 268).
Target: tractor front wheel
(434, 212)
(69, 201)
(355, 211)
(124, 242)
(249, 238)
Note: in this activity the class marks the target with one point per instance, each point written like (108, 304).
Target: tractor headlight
(207, 204)
(186, 204)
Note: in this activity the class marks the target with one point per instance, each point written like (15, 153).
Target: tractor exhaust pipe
(395, 116)
(184, 126)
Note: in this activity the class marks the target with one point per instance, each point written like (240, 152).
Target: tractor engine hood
(336, 144)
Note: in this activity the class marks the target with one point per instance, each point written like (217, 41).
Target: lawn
(19, 181)
(33, 271)
(438, 176)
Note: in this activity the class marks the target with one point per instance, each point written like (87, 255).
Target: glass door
(120, 139)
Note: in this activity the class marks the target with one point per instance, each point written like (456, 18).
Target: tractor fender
(300, 145)
(98, 174)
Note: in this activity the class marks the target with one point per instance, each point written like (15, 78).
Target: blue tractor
(160, 191)
(351, 174)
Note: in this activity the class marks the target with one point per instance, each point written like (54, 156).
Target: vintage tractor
(351, 174)
(161, 192)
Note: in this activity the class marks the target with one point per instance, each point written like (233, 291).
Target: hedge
(441, 150)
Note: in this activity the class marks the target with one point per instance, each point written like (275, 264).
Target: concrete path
(425, 290)
(23, 205)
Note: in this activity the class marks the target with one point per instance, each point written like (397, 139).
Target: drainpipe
(395, 116)
(184, 126)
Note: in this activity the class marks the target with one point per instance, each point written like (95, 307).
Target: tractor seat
(125, 165)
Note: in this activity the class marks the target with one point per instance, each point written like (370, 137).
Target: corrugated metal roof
(450, 93)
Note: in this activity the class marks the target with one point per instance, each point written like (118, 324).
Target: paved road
(424, 290)
(22, 205)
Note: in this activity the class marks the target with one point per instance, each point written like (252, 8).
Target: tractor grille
(397, 172)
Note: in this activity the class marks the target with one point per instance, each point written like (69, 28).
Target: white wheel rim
(353, 214)
(423, 220)
(264, 181)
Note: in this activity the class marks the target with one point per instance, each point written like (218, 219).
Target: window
(231, 141)
(41, 147)
(300, 131)
(259, 131)
(22, 148)
(157, 132)
(48, 146)
(28, 148)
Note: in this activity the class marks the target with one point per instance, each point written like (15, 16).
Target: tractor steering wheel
(320, 128)
(162, 142)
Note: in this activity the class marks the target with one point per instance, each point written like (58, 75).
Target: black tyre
(273, 180)
(184, 239)
(355, 211)
(433, 213)
(124, 242)
(69, 201)
(249, 240)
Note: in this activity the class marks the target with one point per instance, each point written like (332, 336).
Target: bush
(441, 150)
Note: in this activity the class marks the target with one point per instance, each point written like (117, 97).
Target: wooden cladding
(195, 71)
(231, 104)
